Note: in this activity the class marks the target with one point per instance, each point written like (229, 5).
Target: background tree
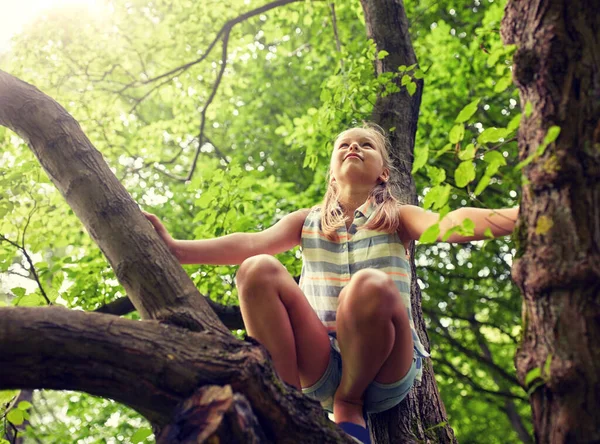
(557, 271)
(295, 75)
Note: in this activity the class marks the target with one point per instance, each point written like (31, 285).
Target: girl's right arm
(234, 248)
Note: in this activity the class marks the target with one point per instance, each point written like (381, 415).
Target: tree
(150, 106)
(557, 73)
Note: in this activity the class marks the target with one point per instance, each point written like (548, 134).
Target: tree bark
(154, 368)
(557, 70)
(421, 417)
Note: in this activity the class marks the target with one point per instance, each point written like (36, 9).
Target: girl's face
(357, 159)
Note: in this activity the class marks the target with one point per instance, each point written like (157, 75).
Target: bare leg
(277, 314)
(374, 338)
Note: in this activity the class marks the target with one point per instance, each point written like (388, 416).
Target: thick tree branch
(150, 367)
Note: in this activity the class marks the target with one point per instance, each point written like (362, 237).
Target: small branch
(207, 104)
(474, 355)
(453, 315)
(22, 249)
(230, 315)
(456, 372)
(338, 44)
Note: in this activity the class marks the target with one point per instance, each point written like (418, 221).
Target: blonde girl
(345, 334)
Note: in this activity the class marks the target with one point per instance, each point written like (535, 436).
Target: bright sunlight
(18, 13)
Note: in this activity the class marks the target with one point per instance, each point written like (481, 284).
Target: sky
(17, 13)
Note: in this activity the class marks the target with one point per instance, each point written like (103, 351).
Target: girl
(353, 302)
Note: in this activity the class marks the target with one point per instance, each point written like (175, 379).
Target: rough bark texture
(155, 369)
(421, 417)
(557, 70)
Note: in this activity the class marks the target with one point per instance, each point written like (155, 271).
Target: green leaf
(140, 435)
(382, 54)
(437, 197)
(18, 291)
(503, 83)
(464, 174)
(532, 375)
(421, 155)
(467, 112)
(411, 88)
(6, 396)
(514, 122)
(488, 233)
(528, 109)
(15, 417)
(468, 153)
(494, 157)
(436, 175)
(467, 228)
(482, 185)
(495, 56)
(547, 365)
(551, 135)
(418, 74)
(24, 405)
(493, 135)
(405, 80)
(430, 235)
(457, 133)
(445, 149)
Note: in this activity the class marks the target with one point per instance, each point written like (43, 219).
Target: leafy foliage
(286, 91)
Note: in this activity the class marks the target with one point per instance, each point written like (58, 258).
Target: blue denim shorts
(378, 397)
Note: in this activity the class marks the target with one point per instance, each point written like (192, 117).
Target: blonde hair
(386, 216)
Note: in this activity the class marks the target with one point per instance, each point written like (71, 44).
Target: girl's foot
(350, 418)
(348, 411)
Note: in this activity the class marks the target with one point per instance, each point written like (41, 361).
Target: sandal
(360, 434)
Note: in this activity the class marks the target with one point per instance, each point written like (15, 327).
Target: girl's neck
(351, 198)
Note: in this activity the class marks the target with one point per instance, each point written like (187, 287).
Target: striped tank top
(327, 266)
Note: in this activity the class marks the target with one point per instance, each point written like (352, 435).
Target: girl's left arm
(501, 222)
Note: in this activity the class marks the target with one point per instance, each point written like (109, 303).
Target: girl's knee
(258, 269)
(371, 294)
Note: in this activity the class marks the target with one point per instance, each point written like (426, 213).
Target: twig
(473, 354)
(474, 384)
(30, 262)
(338, 44)
(207, 104)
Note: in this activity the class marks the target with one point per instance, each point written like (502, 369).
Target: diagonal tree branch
(154, 280)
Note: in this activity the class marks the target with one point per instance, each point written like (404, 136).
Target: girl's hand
(161, 230)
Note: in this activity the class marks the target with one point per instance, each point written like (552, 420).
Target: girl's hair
(386, 217)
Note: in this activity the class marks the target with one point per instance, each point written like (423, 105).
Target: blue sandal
(359, 433)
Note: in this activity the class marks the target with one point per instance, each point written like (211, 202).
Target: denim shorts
(378, 397)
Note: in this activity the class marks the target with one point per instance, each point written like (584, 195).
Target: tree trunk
(421, 417)
(557, 70)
